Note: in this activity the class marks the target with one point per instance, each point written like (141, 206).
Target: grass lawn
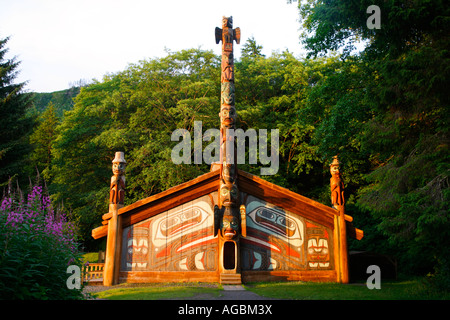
(399, 290)
(412, 289)
(91, 257)
(158, 291)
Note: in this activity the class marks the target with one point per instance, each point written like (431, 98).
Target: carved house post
(228, 213)
(338, 201)
(114, 238)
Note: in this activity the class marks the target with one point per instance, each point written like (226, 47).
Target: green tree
(62, 100)
(272, 92)
(15, 124)
(134, 111)
(394, 109)
(251, 49)
(330, 25)
(42, 139)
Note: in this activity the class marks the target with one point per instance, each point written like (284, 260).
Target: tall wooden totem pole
(227, 215)
(338, 201)
(114, 240)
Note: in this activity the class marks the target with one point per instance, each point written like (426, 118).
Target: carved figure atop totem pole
(117, 188)
(227, 34)
(336, 184)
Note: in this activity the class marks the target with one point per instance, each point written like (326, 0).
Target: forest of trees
(383, 110)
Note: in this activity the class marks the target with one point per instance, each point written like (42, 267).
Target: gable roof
(209, 182)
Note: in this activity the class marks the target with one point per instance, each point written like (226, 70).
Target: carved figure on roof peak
(336, 184)
(117, 187)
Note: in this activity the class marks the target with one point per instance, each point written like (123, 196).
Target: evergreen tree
(15, 124)
(251, 49)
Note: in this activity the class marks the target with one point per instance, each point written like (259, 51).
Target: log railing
(93, 271)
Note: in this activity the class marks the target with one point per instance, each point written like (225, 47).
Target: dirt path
(230, 293)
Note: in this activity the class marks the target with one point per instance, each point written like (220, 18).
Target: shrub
(37, 245)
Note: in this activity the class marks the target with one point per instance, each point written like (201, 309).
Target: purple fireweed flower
(6, 204)
(36, 217)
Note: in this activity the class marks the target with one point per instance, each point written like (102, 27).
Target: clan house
(227, 225)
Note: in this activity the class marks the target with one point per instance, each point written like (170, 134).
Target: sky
(59, 42)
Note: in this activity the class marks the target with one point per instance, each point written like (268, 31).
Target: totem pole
(227, 215)
(114, 240)
(338, 201)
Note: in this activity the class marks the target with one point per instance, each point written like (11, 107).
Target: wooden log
(315, 276)
(113, 244)
(168, 276)
(214, 276)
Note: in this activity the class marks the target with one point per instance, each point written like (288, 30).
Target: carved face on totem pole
(227, 67)
(230, 224)
(227, 96)
(229, 194)
(228, 116)
(227, 59)
(118, 168)
(227, 22)
(119, 164)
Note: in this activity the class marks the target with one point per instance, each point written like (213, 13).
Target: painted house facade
(170, 236)
(226, 226)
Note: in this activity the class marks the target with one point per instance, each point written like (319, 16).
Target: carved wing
(218, 35)
(237, 35)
